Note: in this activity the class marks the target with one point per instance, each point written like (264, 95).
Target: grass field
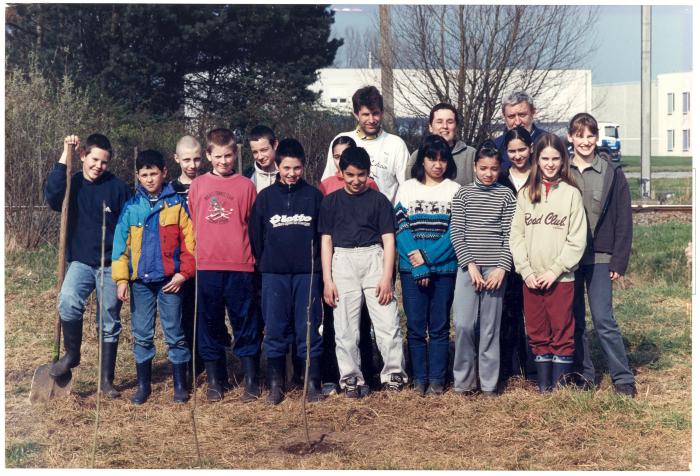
(658, 164)
(521, 429)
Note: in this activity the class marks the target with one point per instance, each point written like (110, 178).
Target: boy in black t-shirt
(357, 253)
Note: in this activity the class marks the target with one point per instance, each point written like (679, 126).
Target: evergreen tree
(233, 61)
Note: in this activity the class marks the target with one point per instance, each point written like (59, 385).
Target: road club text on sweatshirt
(549, 235)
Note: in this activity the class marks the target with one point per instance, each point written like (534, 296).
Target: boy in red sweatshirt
(220, 204)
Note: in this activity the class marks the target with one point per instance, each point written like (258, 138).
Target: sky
(617, 35)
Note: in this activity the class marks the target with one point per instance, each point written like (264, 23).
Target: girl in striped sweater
(427, 262)
(481, 216)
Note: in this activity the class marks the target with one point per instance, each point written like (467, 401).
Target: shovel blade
(45, 387)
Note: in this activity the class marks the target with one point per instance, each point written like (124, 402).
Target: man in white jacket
(388, 153)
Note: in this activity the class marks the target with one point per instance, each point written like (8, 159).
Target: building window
(343, 100)
(686, 102)
(686, 140)
(334, 99)
(669, 140)
(669, 103)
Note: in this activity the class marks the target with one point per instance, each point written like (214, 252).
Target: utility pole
(645, 145)
(387, 67)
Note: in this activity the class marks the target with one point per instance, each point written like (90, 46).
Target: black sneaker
(395, 383)
(352, 390)
(628, 389)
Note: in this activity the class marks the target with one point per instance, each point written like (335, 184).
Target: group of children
(270, 251)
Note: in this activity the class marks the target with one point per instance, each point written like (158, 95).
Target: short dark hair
(343, 140)
(434, 147)
(96, 140)
(150, 158)
(519, 133)
(355, 156)
(289, 148)
(443, 105)
(370, 97)
(262, 132)
(489, 149)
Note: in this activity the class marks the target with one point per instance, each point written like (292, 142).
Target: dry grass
(521, 429)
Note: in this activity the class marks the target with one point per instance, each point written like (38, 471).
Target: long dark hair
(434, 147)
(534, 182)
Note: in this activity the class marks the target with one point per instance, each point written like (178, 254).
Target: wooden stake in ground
(105, 209)
(44, 387)
(308, 346)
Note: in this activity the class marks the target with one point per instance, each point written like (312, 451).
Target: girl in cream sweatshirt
(547, 240)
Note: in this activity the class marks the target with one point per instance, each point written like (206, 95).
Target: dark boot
(314, 389)
(275, 375)
(143, 375)
(222, 373)
(214, 390)
(72, 338)
(543, 364)
(561, 368)
(189, 378)
(180, 393)
(109, 360)
(251, 389)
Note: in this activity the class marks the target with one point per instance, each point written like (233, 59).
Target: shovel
(44, 386)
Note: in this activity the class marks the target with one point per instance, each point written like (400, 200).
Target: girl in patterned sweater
(481, 216)
(427, 262)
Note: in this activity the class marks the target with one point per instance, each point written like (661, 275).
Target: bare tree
(360, 48)
(470, 55)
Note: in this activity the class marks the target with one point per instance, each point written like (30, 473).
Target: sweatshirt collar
(260, 171)
(289, 188)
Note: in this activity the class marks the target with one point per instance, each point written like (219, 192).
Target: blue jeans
(596, 279)
(80, 281)
(285, 299)
(218, 292)
(428, 316)
(144, 297)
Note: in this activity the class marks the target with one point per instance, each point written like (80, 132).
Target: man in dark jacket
(518, 109)
(90, 187)
(286, 245)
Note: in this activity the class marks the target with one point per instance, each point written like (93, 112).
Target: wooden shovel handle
(62, 241)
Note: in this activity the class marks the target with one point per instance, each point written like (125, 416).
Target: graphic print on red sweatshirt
(217, 213)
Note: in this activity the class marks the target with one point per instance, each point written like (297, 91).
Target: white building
(569, 92)
(671, 117)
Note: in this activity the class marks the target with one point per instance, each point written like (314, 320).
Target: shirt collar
(361, 134)
(596, 165)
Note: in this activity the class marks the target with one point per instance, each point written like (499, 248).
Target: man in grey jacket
(444, 120)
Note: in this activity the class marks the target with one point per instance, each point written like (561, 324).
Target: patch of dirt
(653, 218)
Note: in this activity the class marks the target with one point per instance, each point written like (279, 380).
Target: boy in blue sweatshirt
(286, 245)
(90, 187)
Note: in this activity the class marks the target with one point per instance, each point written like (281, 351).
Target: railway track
(644, 208)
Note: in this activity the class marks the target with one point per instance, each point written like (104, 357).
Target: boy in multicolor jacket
(154, 251)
